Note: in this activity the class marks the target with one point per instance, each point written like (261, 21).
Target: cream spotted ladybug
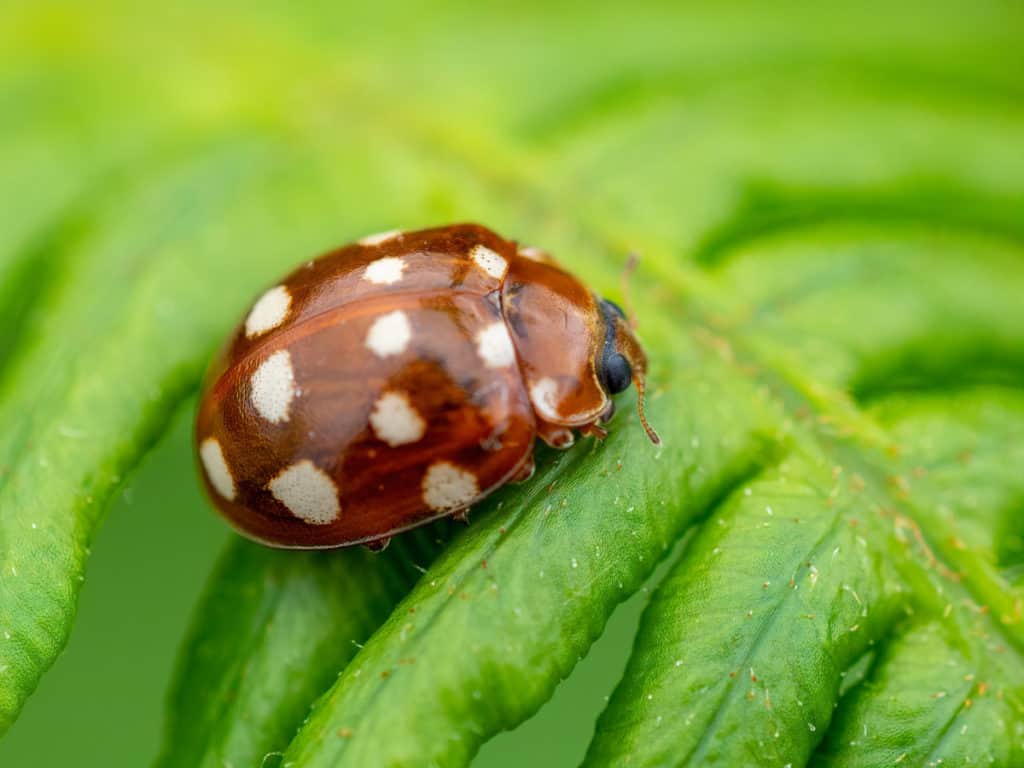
(403, 378)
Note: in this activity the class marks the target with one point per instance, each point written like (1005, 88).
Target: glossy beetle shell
(400, 379)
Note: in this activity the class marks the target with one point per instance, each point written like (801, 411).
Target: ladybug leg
(525, 472)
(378, 545)
(461, 516)
(594, 430)
(555, 435)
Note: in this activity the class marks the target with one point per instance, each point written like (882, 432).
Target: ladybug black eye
(617, 373)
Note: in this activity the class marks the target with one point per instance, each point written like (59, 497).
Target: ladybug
(403, 378)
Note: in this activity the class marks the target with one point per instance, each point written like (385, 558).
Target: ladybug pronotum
(403, 378)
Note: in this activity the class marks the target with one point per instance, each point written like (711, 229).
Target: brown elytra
(400, 379)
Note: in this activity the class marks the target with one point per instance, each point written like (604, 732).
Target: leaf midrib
(698, 753)
(705, 304)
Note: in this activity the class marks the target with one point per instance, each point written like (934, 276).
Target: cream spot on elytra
(308, 492)
(269, 311)
(494, 346)
(273, 387)
(489, 261)
(446, 487)
(380, 237)
(217, 470)
(384, 271)
(390, 334)
(544, 395)
(395, 420)
(534, 254)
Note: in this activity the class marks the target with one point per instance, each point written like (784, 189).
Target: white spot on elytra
(308, 492)
(534, 254)
(269, 311)
(445, 487)
(380, 237)
(543, 393)
(395, 420)
(384, 271)
(273, 387)
(216, 467)
(390, 334)
(489, 261)
(494, 346)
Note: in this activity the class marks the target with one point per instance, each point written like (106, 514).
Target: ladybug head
(622, 360)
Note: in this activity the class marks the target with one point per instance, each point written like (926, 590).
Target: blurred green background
(904, 108)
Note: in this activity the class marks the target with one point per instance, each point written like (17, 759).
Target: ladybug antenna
(639, 383)
(628, 345)
(632, 260)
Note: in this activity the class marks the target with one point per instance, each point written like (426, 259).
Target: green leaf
(828, 205)
(851, 544)
(94, 379)
(271, 634)
(558, 555)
